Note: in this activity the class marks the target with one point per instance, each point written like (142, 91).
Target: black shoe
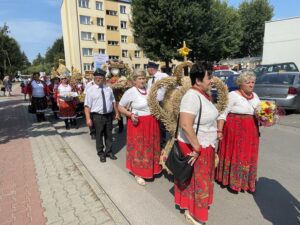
(93, 136)
(102, 158)
(112, 156)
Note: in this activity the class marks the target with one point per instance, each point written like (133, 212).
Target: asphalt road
(276, 200)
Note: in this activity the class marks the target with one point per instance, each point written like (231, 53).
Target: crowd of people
(203, 134)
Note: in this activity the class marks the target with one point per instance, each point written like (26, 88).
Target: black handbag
(31, 109)
(176, 162)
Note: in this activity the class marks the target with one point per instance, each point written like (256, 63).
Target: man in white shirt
(155, 75)
(100, 102)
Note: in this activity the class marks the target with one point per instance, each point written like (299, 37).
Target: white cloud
(34, 36)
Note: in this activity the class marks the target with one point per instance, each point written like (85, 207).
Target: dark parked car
(229, 80)
(278, 67)
(283, 88)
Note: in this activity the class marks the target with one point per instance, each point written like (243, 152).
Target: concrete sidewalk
(41, 180)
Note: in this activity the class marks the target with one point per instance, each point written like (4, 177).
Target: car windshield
(279, 79)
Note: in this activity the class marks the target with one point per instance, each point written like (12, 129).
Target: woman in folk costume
(53, 87)
(196, 195)
(66, 102)
(143, 134)
(38, 92)
(239, 135)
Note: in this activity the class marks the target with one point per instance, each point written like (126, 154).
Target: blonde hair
(246, 75)
(138, 73)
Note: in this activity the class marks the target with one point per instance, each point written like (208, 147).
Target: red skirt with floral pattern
(67, 109)
(196, 195)
(143, 147)
(238, 153)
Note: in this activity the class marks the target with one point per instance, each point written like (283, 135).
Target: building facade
(98, 27)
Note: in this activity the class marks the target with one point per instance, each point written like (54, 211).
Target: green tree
(12, 58)
(253, 16)
(55, 53)
(160, 26)
(224, 34)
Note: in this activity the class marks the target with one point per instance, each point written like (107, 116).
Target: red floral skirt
(143, 147)
(67, 109)
(238, 153)
(196, 195)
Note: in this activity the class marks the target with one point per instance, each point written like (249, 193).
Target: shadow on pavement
(276, 203)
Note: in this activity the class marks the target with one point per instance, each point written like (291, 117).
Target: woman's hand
(134, 119)
(194, 155)
(220, 134)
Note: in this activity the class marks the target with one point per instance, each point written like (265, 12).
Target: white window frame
(102, 35)
(101, 51)
(124, 53)
(100, 21)
(98, 3)
(85, 20)
(112, 28)
(87, 52)
(113, 57)
(137, 66)
(123, 9)
(88, 67)
(113, 43)
(83, 3)
(137, 54)
(111, 12)
(123, 24)
(86, 36)
(124, 39)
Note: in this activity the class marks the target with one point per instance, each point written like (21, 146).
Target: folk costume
(67, 105)
(143, 140)
(38, 90)
(196, 195)
(238, 150)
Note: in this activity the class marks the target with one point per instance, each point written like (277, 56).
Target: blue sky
(36, 24)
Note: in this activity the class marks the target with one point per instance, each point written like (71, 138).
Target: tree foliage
(253, 15)
(12, 58)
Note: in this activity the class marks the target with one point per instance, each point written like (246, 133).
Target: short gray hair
(138, 73)
(246, 75)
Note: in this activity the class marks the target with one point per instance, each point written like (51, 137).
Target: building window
(100, 22)
(113, 57)
(145, 66)
(83, 3)
(137, 66)
(123, 24)
(85, 20)
(111, 12)
(87, 36)
(114, 28)
(137, 54)
(123, 38)
(101, 51)
(100, 37)
(125, 53)
(99, 5)
(87, 52)
(87, 66)
(113, 43)
(123, 9)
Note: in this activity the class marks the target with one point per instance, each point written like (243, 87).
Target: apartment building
(98, 27)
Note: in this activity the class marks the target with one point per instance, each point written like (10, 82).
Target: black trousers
(103, 125)
(92, 128)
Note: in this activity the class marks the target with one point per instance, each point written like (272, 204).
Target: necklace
(203, 93)
(142, 93)
(248, 97)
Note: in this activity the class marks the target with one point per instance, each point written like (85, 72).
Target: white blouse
(240, 105)
(138, 101)
(63, 91)
(37, 89)
(207, 134)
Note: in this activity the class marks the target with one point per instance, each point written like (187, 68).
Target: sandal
(191, 219)
(140, 181)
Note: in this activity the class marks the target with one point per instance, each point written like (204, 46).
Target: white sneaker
(140, 181)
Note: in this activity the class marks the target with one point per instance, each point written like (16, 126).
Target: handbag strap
(198, 123)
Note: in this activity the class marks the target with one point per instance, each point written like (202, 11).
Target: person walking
(88, 81)
(38, 93)
(239, 137)
(196, 195)
(100, 102)
(66, 102)
(143, 133)
(7, 84)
